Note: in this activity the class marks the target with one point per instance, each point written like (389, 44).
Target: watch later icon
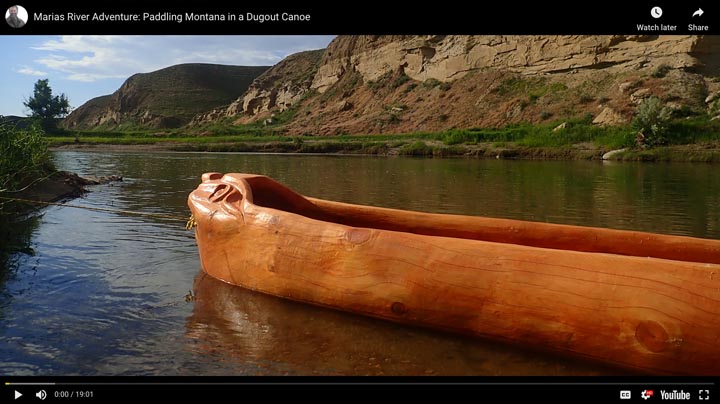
(656, 12)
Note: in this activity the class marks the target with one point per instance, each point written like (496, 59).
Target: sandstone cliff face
(277, 89)
(450, 57)
(376, 84)
(282, 85)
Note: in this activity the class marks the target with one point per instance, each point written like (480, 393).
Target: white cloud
(92, 58)
(31, 72)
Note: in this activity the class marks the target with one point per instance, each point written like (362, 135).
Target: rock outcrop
(450, 57)
(278, 88)
(282, 85)
(608, 117)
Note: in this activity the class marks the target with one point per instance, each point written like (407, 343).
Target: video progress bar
(362, 383)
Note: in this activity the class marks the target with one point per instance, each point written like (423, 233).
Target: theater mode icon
(625, 394)
(647, 394)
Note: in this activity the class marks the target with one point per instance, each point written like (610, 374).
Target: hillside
(94, 112)
(392, 84)
(165, 98)
(276, 89)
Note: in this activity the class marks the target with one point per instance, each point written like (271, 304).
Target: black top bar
(631, 17)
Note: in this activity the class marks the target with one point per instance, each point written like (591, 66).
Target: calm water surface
(99, 293)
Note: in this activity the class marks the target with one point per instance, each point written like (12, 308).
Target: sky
(84, 67)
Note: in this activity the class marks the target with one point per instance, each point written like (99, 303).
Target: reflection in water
(664, 198)
(15, 247)
(15, 239)
(103, 294)
(239, 326)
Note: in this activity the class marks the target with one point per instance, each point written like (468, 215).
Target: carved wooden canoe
(639, 300)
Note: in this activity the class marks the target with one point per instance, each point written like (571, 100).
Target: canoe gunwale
(261, 191)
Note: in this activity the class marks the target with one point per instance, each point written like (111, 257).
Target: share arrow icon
(699, 12)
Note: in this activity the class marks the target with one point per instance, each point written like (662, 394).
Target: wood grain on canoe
(576, 290)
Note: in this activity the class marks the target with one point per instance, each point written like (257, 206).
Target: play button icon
(17, 394)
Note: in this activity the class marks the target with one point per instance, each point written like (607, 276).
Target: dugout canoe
(639, 300)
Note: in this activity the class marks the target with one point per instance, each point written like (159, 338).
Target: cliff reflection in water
(263, 334)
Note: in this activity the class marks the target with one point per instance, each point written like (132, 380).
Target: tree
(46, 107)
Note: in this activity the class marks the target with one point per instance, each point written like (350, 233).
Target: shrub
(410, 87)
(416, 149)
(400, 80)
(652, 120)
(445, 86)
(431, 83)
(661, 71)
(23, 155)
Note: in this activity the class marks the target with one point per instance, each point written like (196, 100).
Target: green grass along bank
(694, 140)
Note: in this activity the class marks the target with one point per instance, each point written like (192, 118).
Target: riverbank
(692, 139)
(706, 152)
(54, 187)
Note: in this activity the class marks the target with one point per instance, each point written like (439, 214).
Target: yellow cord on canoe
(190, 223)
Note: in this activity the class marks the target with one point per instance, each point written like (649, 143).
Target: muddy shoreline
(56, 187)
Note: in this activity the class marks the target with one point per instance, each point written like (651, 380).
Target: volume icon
(41, 394)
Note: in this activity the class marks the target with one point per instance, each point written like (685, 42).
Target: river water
(100, 293)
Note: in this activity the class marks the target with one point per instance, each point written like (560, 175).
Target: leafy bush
(652, 120)
(23, 155)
